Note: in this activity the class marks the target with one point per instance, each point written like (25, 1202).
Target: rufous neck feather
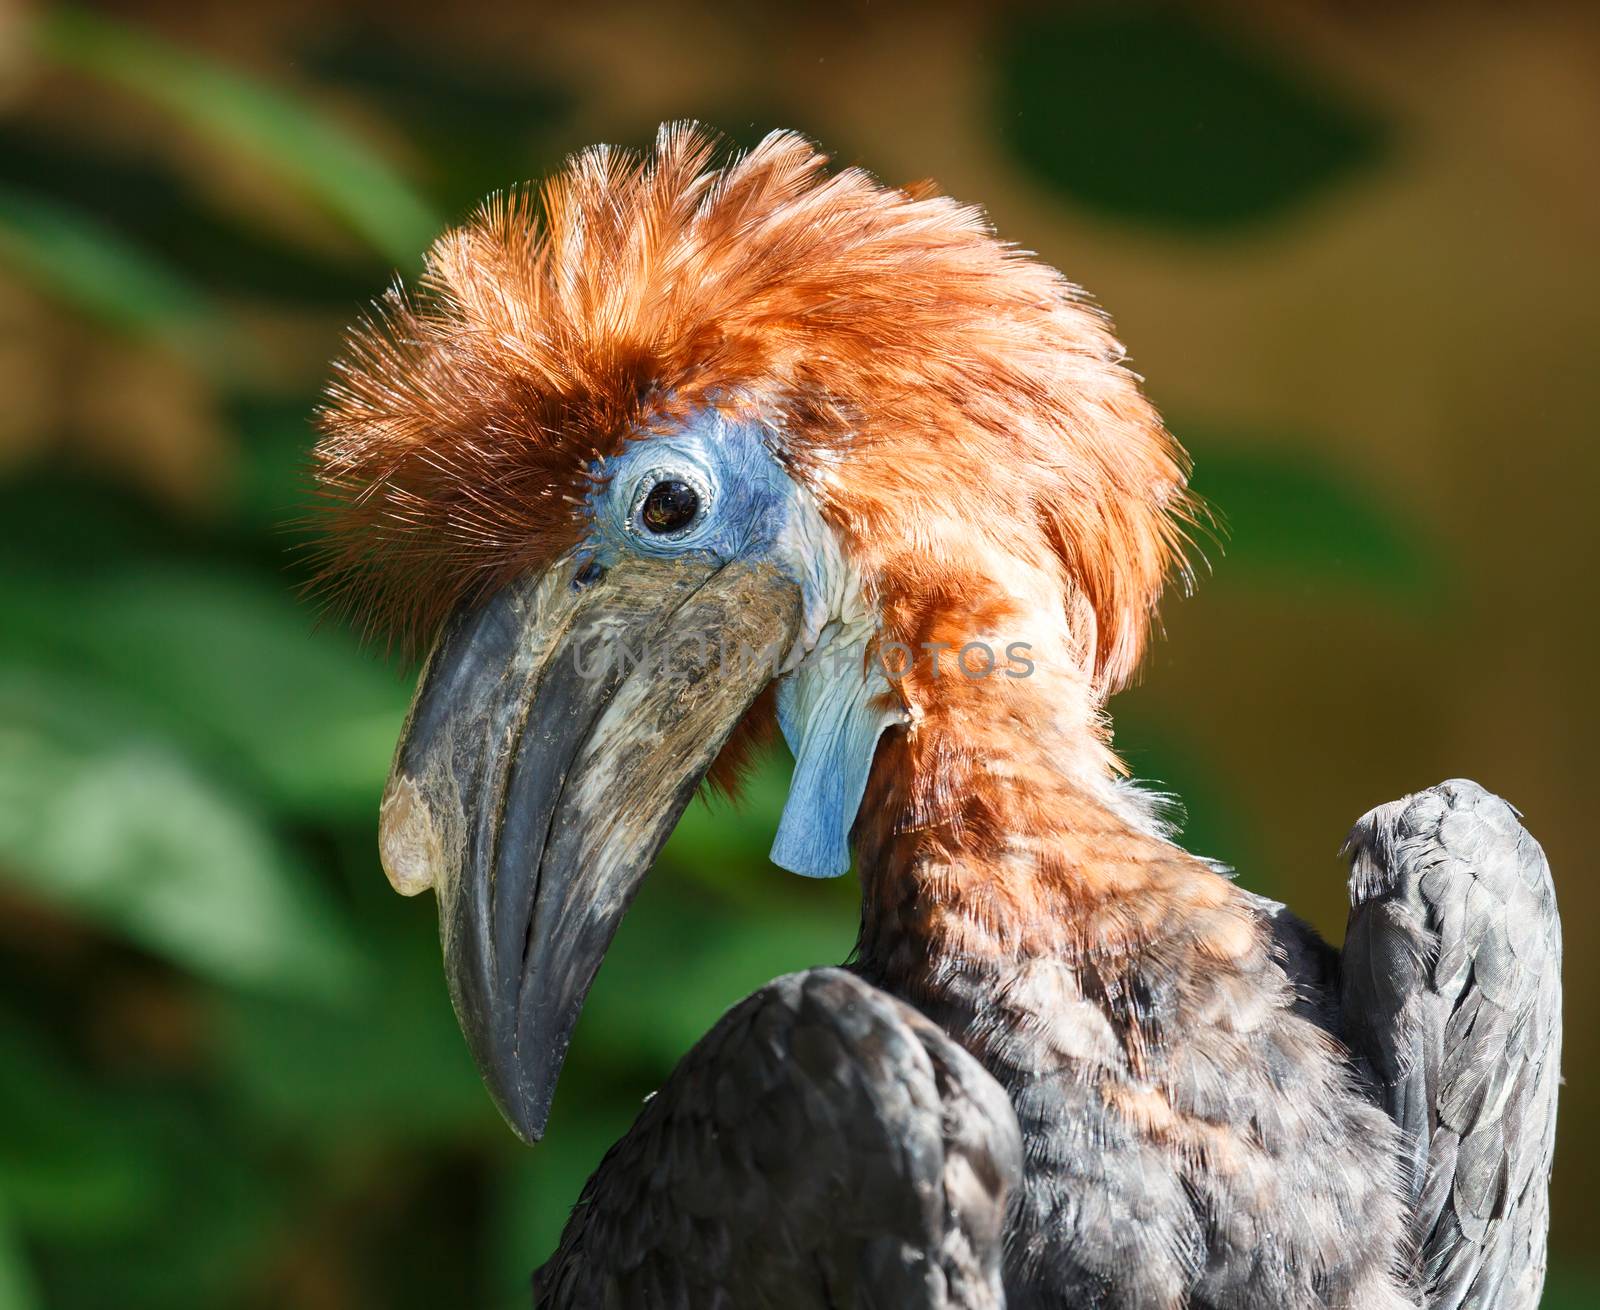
(997, 822)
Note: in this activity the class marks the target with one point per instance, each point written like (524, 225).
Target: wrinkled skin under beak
(542, 767)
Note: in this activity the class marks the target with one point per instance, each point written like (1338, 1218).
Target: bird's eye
(670, 506)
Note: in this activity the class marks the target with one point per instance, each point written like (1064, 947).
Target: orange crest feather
(908, 364)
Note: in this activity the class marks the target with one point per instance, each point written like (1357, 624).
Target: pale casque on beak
(562, 725)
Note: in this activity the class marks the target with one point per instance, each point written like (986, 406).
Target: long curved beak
(557, 734)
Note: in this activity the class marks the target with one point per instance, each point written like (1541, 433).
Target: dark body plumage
(825, 1146)
(1452, 997)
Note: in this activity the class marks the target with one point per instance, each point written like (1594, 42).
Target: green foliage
(389, 1066)
(149, 204)
(106, 816)
(223, 662)
(1290, 520)
(1210, 821)
(80, 261)
(66, 1164)
(1164, 118)
(259, 122)
(480, 127)
(17, 1286)
(1569, 1288)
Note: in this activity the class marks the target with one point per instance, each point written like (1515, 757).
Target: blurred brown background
(1351, 249)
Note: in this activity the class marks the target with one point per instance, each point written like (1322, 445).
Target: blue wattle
(827, 713)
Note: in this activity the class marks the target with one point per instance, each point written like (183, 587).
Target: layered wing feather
(824, 1145)
(1451, 996)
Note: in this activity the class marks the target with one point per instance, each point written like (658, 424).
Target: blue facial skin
(750, 509)
(745, 496)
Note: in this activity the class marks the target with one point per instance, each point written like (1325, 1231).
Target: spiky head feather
(963, 417)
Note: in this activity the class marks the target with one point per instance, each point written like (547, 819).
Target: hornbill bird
(672, 454)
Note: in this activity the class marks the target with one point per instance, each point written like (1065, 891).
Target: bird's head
(667, 453)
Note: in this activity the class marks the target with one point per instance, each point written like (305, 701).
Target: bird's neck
(996, 836)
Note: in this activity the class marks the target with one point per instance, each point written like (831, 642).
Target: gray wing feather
(824, 1145)
(1451, 997)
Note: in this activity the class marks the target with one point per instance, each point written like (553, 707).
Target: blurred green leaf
(229, 664)
(1162, 116)
(210, 1236)
(272, 474)
(724, 844)
(120, 827)
(68, 1165)
(1292, 519)
(481, 124)
(680, 961)
(75, 523)
(154, 206)
(535, 1193)
(1571, 1288)
(1211, 824)
(77, 260)
(18, 1290)
(299, 143)
(392, 1064)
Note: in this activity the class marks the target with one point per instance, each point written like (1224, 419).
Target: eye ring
(668, 503)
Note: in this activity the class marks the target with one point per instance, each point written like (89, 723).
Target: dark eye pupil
(671, 505)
